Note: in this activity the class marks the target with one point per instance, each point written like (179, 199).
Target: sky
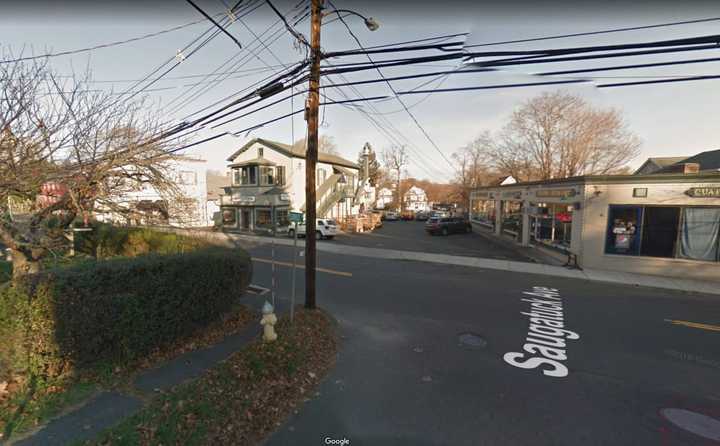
(670, 119)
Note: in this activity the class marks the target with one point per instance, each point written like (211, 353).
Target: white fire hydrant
(268, 322)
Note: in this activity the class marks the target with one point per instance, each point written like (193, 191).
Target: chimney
(684, 168)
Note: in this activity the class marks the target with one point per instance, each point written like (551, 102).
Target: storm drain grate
(472, 340)
(697, 423)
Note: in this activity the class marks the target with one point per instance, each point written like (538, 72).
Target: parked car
(391, 216)
(407, 216)
(421, 216)
(447, 225)
(324, 228)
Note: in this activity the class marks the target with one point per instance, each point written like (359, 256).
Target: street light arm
(371, 23)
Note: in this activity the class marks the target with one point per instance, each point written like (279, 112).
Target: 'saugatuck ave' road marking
(694, 325)
(546, 336)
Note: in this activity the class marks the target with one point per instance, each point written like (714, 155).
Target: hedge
(115, 310)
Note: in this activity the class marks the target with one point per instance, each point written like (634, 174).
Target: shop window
(263, 218)
(512, 217)
(623, 230)
(282, 217)
(280, 175)
(266, 176)
(700, 234)
(228, 216)
(659, 231)
(482, 211)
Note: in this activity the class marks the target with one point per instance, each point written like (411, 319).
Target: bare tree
(326, 144)
(395, 159)
(557, 135)
(66, 152)
(473, 166)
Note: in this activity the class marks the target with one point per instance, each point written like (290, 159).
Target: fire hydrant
(268, 322)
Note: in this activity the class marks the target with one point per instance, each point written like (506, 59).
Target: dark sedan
(447, 225)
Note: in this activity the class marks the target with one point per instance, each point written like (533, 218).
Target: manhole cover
(697, 423)
(472, 340)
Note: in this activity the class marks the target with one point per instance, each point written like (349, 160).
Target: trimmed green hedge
(115, 310)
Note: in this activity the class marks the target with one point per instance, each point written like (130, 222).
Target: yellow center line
(300, 265)
(694, 325)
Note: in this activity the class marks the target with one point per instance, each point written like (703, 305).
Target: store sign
(285, 197)
(555, 193)
(517, 195)
(243, 199)
(704, 192)
(480, 194)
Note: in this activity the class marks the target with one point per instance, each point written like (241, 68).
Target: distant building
(415, 199)
(385, 197)
(151, 207)
(665, 222)
(707, 161)
(268, 181)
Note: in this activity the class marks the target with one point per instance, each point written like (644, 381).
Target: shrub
(110, 241)
(116, 310)
(5, 271)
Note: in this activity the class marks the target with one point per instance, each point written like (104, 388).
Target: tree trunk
(23, 265)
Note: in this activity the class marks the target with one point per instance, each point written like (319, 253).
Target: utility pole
(311, 115)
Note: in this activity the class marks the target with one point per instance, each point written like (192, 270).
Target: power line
(417, 123)
(508, 62)
(105, 45)
(660, 81)
(625, 67)
(591, 33)
(237, 42)
(492, 87)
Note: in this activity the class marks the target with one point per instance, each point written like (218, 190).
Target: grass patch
(5, 271)
(242, 400)
(29, 402)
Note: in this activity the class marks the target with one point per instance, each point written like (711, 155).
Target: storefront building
(664, 224)
(267, 181)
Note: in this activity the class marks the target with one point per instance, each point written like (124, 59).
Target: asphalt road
(404, 377)
(411, 236)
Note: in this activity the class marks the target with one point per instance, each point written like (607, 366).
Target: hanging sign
(704, 192)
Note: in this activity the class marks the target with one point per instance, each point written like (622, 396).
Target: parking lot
(411, 236)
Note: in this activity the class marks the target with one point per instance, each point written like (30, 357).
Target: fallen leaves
(246, 398)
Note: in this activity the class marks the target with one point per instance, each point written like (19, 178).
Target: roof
(660, 162)
(295, 152)
(712, 176)
(215, 183)
(708, 160)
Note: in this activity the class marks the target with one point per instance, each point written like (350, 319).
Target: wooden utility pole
(312, 108)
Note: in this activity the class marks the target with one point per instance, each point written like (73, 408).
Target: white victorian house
(268, 181)
(384, 198)
(415, 199)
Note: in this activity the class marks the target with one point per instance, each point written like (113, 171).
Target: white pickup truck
(324, 228)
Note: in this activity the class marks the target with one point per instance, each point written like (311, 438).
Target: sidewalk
(693, 286)
(110, 407)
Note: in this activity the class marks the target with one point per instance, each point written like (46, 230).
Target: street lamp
(370, 22)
